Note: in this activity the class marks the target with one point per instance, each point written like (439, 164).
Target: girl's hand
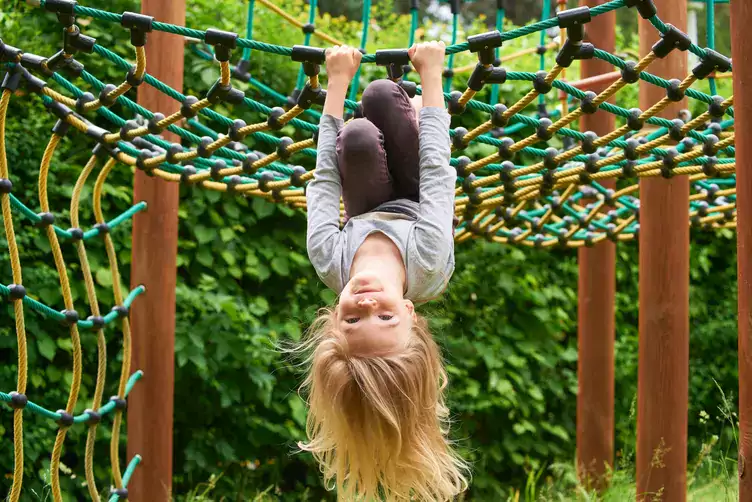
(341, 64)
(428, 58)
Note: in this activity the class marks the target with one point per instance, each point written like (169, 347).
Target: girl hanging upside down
(378, 424)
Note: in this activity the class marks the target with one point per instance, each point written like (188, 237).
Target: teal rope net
(516, 184)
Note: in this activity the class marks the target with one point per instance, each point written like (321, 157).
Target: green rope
(546, 14)
(249, 29)
(450, 63)
(306, 41)
(413, 26)
(355, 84)
(710, 36)
(127, 475)
(499, 26)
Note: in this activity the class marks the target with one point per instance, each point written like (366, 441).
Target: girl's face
(374, 317)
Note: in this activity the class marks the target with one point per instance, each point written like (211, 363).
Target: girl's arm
(434, 240)
(324, 191)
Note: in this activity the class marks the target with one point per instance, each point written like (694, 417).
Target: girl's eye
(352, 320)
(385, 317)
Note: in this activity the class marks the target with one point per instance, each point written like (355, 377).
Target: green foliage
(507, 324)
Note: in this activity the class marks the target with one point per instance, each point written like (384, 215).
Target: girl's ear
(411, 309)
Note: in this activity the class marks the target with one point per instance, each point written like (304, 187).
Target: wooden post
(155, 238)
(741, 51)
(663, 373)
(597, 287)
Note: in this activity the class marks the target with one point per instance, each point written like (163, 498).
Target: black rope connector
(215, 169)
(75, 41)
(65, 420)
(574, 50)
(310, 96)
(458, 140)
(540, 84)
(394, 60)
(410, 88)
(122, 493)
(716, 108)
(34, 84)
(102, 229)
(130, 125)
(232, 182)
(634, 122)
(549, 159)
(16, 292)
(248, 163)
(9, 54)
(120, 403)
(153, 124)
(18, 401)
(646, 8)
(76, 234)
(97, 322)
(588, 142)
(12, 79)
(629, 74)
(242, 71)
(264, 180)
(674, 38)
(96, 132)
(308, 28)
(274, 116)
(282, 148)
(70, 317)
(709, 148)
(308, 54)
(33, 61)
(6, 185)
(73, 68)
(141, 158)
(106, 97)
(497, 117)
(628, 169)
(234, 131)
(139, 24)
(61, 128)
(203, 150)
(222, 41)
(84, 98)
(484, 44)
(131, 78)
(543, 132)
(669, 163)
(447, 73)
(505, 152)
(675, 131)
(468, 182)
(708, 168)
(541, 50)
(574, 21)
(186, 173)
(64, 9)
(712, 61)
(296, 176)
(453, 103)
(93, 417)
(185, 107)
(461, 165)
(591, 164)
(673, 91)
(478, 76)
(45, 220)
(587, 103)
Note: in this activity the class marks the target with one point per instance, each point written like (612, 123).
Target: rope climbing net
(528, 192)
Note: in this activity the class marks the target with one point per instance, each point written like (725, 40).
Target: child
(377, 422)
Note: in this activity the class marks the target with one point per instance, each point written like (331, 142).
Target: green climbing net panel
(529, 192)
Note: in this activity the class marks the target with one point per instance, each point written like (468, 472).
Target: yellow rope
(15, 263)
(68, 301)
(118, 295)
(290, 19)
(101, 343)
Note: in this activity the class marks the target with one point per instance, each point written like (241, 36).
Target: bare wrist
(339, 81)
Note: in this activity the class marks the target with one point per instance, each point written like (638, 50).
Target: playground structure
(565, 196)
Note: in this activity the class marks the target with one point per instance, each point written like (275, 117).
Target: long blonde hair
(378, 426)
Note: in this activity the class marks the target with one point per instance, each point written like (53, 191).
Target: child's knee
(360, 137)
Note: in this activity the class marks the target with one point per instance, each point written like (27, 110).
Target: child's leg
(366, 182)
(387, 105)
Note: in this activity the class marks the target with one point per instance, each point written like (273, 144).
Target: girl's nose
(367, 303)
